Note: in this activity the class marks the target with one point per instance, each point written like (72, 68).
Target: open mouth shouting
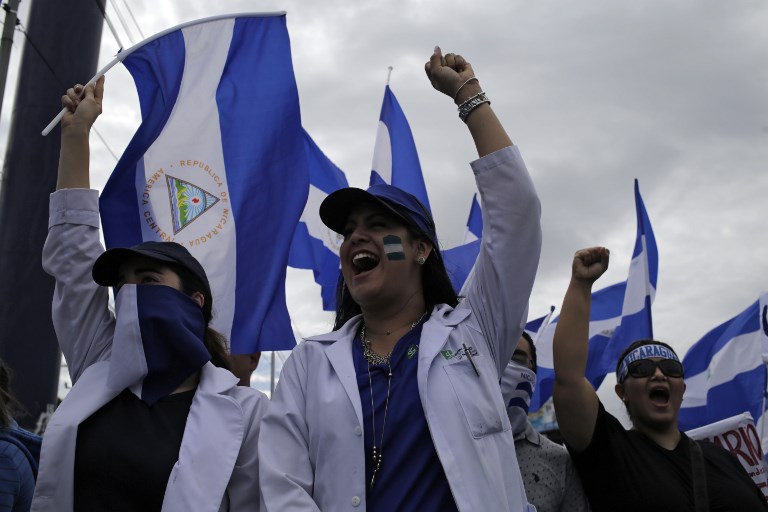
(364, 261)
(659, 396)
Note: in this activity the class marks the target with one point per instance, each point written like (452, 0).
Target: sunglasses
(647, 367)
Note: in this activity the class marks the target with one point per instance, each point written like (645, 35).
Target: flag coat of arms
(218, 165)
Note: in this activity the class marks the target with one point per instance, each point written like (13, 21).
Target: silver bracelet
(471, 104)
(462, 86)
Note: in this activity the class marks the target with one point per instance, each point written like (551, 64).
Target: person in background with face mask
(399, 408)
(653, 466)
(154, 420)
(550, 480)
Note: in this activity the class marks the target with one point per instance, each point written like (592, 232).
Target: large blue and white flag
(315, 246)
(620, 314)
(725, 371)
(395, 159)
(636, 319)
(218, 165)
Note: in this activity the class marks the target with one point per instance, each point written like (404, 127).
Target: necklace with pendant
(371, 357)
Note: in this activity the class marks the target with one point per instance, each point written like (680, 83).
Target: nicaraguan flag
(218, 165)
(395, 159)
(315, 246)
(636, 319)
(620, 314)
(725, 371)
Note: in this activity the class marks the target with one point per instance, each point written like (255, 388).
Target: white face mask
(517, 385)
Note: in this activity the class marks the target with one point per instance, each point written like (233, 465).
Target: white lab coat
(217, 469)
(311, 444)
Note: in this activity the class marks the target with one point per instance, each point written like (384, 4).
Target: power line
(122, 22)
(130, 12)
(109, 23)
(64, 87)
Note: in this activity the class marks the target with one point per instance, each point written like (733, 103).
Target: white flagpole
(544, 324)
(123, 54)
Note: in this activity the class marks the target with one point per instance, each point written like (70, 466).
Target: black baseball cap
(106, 268)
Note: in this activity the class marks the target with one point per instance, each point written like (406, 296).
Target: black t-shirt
(126, 450)
(624, 470)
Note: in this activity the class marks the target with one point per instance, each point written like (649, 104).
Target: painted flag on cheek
(218, 165)
(393, 248)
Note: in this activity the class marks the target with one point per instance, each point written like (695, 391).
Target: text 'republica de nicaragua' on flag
(218, 165)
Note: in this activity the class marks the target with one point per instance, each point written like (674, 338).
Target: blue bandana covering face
(643, 352)
(158, 341)
(517, 385)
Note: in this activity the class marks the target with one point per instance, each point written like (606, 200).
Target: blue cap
(335, 209)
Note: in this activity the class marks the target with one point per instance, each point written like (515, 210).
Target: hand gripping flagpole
(123, 54)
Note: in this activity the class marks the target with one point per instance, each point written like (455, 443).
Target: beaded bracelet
(471, 104)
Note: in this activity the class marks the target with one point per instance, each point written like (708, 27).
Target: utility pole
(61, 48)
(6, 43)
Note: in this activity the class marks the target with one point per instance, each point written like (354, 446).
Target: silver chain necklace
(372, 357)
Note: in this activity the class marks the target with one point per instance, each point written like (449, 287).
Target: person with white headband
(652, 466)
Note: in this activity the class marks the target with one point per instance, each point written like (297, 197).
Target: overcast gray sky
(672, 92)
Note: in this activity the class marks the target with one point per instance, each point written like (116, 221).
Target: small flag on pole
(395, 159)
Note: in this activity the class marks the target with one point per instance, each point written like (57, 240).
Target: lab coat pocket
(478, 402)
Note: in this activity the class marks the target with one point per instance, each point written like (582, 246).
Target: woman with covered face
(652, 466)
(154, 420)
(399, 408)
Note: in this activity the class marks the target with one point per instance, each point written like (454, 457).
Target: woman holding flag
(154, 420)
(399, 408)
(653, 466)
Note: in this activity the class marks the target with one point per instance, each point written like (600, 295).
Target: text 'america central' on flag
(218, 165)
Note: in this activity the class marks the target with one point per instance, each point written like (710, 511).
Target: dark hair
(6, 399)
(214, 341)
(532, 348)
(435, 283)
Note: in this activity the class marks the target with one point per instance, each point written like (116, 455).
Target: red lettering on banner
(732, 440)
(749, 432)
